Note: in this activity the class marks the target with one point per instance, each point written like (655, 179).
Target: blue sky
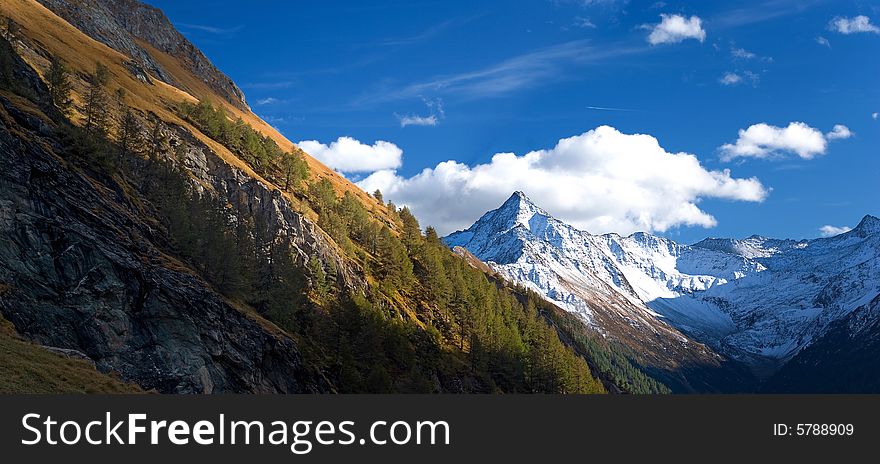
(463, 81)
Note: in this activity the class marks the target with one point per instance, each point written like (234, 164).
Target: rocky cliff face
(120, 24)
(82, 270)
(253, 199)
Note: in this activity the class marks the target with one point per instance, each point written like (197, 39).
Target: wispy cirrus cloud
(740, 77)
(217, 30)
(436, 113)
(609, 108)
(414, 120)
(730, 78)
(580, 22)
(270, 85)
(523, 71)
(427, 34)
(761, 12)
(739, 53)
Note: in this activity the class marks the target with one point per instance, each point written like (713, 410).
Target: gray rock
(83, 274)
(119, 24)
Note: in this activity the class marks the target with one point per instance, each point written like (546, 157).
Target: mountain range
(766, 304)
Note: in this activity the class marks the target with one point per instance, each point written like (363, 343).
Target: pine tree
(158, 141)
(323, 194)
(319, 278)
(412, 231)
(378, 196)
(60, 85)
(129, 136)
(96, 102)
(296, 169)
(119, 100)
(7, 58)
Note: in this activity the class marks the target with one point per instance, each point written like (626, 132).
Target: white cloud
(349, 155)
(823, 41)
(853, 25)
(763, 141)
(535, 68)
(743, 53)
(267, 101)
(414, 120)
(436, 113)
(839, 132)
(676, 28)
(600, 181)
(211, 29)
(583, 23)
(733, 78)
(730, 79)
(831, 231)
(874, 116)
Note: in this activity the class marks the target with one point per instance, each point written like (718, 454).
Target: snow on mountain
(750, 299)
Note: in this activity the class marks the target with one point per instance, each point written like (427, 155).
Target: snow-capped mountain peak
(517, 210)
(754, 299)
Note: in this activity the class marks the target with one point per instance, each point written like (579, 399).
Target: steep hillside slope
(81, 271)
(45, 34)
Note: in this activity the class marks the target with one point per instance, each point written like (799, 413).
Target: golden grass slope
(49, 35)
(29, 368)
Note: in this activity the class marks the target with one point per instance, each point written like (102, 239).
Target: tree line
(259, 151)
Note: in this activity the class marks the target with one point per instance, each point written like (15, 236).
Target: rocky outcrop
(255, 200)
(119, 24)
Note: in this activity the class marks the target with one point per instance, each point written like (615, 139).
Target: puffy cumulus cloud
(349, 155)
(839, 132)
(763, 141)
(600, 181)
(676, 28)
(853, 25)
(831, 231)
